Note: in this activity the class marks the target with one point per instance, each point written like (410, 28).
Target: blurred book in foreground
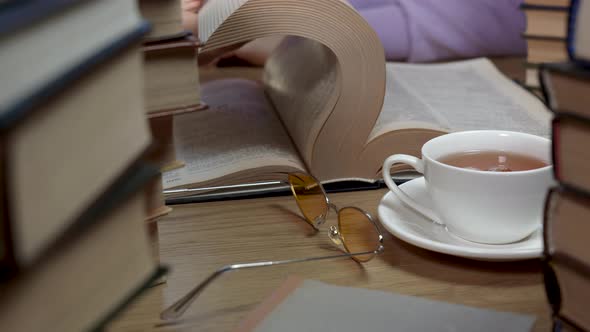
(74, 248)
(307, 305)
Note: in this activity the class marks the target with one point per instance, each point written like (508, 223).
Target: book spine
(553, 288)
(572, 34)
(572, 263)
(8, 266)
(547, 212)
(550, 258)
(172, 44)
(552, 218)
(547, 38)
(556, 153)
(132, 180)
(15, 15)
(546, 92)
(568, 68)
(180, 36)
(550, 282)
(157, 274)
(555, 148)
(562, 324)
(15, 113)
(528, 6)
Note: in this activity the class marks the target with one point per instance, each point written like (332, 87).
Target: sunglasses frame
(179, 307)
(334, 232)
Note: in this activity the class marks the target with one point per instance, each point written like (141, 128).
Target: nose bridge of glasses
(335, 236)
(321, 219)
(380, 249)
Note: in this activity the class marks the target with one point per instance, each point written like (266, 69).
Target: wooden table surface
(196, 239)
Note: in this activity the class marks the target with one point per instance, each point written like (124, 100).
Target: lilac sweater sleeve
(433, 30)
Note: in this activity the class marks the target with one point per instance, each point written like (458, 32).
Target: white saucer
(404, 223)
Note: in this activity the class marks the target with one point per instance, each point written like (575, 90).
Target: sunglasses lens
(358, 232)
(309, 196)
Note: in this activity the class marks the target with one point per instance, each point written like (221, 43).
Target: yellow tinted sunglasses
(356, 231)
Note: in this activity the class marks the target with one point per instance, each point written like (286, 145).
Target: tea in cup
(487, 186)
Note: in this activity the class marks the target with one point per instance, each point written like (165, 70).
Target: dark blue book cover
(11, 114)
(573, 33)
(16, 14)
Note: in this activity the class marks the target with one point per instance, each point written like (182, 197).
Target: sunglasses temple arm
(179, 307)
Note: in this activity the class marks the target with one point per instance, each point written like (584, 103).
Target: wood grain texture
(196, 239)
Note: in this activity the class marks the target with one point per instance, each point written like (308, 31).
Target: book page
(240, 132)
(212, 15)
(302, 81)
(327, 82)
(215, 12)
(464, 95)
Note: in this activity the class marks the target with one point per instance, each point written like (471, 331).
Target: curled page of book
(326, 80)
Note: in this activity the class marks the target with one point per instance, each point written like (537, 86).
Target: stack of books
(567, 215)
(171, 74)
(74, 249)
(545, 33)
(171, 87)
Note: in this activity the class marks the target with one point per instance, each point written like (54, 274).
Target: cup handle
(418, 165)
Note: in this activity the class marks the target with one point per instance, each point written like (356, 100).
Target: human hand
(255, 52)
(193, 6)
(189, 14)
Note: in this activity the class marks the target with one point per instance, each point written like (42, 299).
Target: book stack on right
(73, 173)
(567, 215)
(545, 34)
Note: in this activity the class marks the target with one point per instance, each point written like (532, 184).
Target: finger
(207, 57)
(192, 5)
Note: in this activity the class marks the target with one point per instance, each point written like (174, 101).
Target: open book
(329, 103)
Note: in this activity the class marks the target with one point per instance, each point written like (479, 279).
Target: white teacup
(481, 206)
